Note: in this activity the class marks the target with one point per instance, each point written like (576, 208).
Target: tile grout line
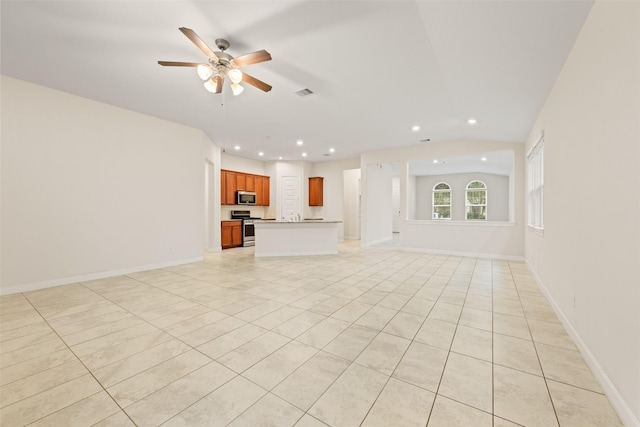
(85, 367)
(403, 354)
(535, 347)
(446, 361)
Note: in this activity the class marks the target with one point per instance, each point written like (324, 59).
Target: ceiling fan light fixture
(235, 75)
(220, 65)
(204, 71)
(236, 89)
(211, 85)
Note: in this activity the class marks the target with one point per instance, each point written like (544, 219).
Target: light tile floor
(371, 337)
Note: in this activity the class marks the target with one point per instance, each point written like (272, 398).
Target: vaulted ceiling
(376, 68)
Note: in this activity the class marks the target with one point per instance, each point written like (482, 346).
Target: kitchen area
(245, 198)
(250, 218)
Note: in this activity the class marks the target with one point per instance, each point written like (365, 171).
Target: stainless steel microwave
(245, 198)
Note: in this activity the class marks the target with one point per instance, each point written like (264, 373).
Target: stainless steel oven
(248, 229)
(248, 233)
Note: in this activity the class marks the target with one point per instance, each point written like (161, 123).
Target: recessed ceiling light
(415, 128)
(299, 142)
(304, 154)
(472, 121)
(261, 153)
(484, 159)
(237, 147)
(280, 158)
(435, 161)
(332, 150)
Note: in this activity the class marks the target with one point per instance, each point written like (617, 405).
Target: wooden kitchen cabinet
(262, 190)
(266, 190)
(232, 181)
(316, 191)
(228, 184)
(241, 182)
(259, 191)
(231, 234)
(250, 182)
(223, 187)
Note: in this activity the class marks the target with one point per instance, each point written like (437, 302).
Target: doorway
(351, 204)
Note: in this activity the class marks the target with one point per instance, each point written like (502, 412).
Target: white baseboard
(293, 254)
(377, 242)
(620, 405)
(93, 276)
(460, 253)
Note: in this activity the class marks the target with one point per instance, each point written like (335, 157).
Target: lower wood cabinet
(231, 234)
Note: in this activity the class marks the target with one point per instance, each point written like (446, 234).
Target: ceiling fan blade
(178, 64)
(219, 81)
(252, 58)
(246, 78)
(191, 35)
(214, 84)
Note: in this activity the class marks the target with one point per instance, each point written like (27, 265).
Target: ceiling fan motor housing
(222, 44)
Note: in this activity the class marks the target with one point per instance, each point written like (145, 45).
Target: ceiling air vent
(304, 92)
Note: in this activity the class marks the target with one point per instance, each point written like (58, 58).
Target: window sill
(456, 223)
(538, 230)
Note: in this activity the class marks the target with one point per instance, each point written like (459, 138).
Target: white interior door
(290, 201)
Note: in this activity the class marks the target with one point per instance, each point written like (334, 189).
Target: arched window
(476, 200)
(441, 201)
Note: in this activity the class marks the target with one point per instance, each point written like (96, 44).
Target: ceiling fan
(220, 65)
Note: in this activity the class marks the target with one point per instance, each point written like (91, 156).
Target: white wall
(241, 164)
(588, 258)
(334, 192)
(492, 239)
(497, 195)
(351, 198)
(410, 197)
(91, 190)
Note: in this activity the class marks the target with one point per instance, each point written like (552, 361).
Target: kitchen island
(294, 238)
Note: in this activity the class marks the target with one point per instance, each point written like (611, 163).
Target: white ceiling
(376, 67)
(494, 162)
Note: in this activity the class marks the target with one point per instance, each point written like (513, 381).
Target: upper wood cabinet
(228, 193)
(316, 191)
(250, 182)
(241, 182)
(232, 181)
(266, 190)
(262, 190)
(259, 192)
